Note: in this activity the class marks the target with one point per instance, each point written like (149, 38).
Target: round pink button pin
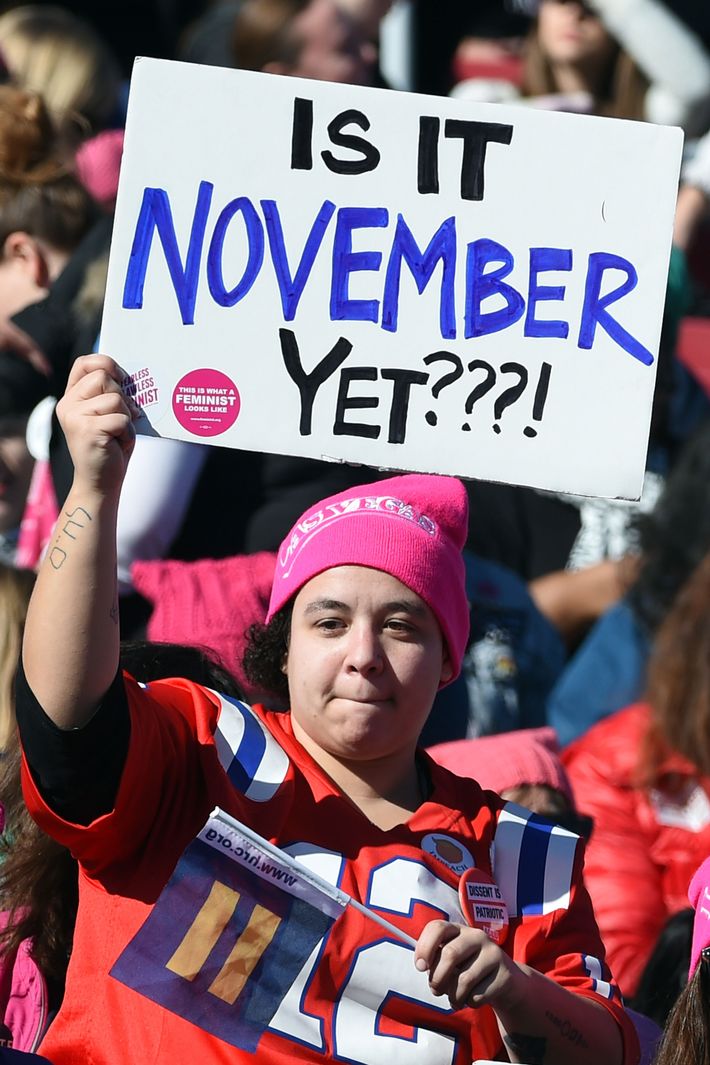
(206, 402)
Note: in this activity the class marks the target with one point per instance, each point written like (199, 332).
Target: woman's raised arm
(71, 643)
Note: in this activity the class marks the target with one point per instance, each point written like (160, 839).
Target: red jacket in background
(646, 843)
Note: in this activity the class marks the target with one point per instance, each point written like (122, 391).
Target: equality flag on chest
(230, 933)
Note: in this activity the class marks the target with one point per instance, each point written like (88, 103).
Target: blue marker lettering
(594, 309)
(442, 246)
(346, 262)
(479, 285)
(542, 259)
(291, 287)
(155, 214)
(255, 239)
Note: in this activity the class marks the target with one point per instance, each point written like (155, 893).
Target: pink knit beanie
(98, 163)
(412, 527)
(507, 760)
(699, 895)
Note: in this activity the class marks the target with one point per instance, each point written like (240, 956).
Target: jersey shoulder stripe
(254, 761)
(533, 862)
(600, 975)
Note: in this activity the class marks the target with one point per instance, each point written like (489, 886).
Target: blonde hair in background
(56, 54)
(15, 590)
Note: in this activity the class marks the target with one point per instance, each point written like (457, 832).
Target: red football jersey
(351, 995)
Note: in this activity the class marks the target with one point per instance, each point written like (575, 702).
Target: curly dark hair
(265, 654)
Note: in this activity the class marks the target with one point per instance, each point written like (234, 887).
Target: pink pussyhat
(508, 760)
(699, 895)
(412, 527)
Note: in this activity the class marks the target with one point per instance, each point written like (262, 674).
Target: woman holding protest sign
(175, 947)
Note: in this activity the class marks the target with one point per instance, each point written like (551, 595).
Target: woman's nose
(364, 649)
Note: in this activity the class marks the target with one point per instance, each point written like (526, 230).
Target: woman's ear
(284, 664)
(25, 252)
(447, 669)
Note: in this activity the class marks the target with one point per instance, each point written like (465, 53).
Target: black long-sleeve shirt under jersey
(77, 771)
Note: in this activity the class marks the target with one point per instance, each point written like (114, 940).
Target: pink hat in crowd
(412, 527)
(508, 760)
(699, 895)
(209, 603)
(98, 163)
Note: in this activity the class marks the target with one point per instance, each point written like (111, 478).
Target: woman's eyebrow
(324, 604)
(406, 606)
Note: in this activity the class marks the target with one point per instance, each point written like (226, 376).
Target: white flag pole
(321, 889)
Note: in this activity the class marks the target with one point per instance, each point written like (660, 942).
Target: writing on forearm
(57, 557)
(529, 1048)
(567, 1030)
(58, 554)
(77, 524)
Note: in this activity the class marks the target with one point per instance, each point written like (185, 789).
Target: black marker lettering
(347, 402)
(402, 383)
(308, 384)
(370, 154)
(476, 137)
(302, 135)
(428, 155)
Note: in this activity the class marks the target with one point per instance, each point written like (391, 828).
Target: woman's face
(568, 32)
(365, 659)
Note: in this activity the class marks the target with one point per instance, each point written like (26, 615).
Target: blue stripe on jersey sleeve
(250, 752)
(532, 864)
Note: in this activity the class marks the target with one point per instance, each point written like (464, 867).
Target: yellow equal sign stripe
(245, 955)
(202, 935)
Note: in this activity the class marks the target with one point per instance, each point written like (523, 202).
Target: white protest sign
(397, 280)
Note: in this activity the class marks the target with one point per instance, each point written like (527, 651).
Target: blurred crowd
(585, 688)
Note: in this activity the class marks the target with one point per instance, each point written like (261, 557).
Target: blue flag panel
(221, 946)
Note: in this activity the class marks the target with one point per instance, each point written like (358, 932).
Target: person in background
(21, 389)
(608, 671)
(55, 54)
(302, 38)
(666, 971)
(687, 1036)
(15, 590)
(632, 59)
(46, 217)
(623, 58)
(60, 57)
(643, 775)
(523, 767)
(44, 210)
